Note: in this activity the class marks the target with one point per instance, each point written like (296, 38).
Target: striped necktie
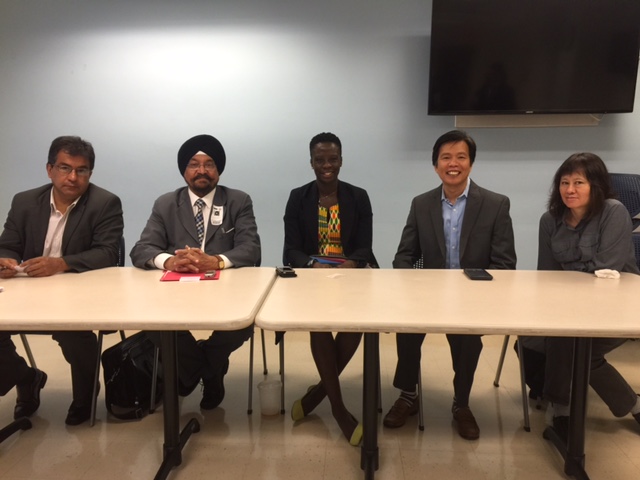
(200, 220)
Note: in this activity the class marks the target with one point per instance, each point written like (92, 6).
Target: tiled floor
(233, 445)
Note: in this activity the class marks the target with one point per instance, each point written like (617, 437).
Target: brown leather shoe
(467, 426)
(398, 414)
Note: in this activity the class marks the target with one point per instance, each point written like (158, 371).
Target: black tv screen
(533, 56)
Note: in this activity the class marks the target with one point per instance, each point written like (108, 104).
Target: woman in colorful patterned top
(328, 224)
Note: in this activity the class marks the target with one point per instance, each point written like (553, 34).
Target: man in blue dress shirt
(457, 225)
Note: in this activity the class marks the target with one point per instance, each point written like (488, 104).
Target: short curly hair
(325, 137)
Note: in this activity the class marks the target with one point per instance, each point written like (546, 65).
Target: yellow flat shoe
(297, 413)
(356, 436)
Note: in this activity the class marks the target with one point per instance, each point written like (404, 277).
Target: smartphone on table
(477, 274)
(286, 272)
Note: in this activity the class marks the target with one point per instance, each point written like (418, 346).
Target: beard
(200, 188)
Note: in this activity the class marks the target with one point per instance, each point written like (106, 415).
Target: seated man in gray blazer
(70, 225)
(201, 228)
(457, 225)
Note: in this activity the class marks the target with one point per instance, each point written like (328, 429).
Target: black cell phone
(286, 272)
(477, 274)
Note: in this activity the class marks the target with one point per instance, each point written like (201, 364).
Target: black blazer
(301, 224)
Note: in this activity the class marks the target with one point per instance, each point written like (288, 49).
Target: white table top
(519, 302)
(130, 298)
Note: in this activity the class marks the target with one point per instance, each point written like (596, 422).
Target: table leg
(573, 453)
(174, 441)
(369, 454)
(22, 423)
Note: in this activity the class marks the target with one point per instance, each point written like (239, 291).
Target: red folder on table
(169, 276)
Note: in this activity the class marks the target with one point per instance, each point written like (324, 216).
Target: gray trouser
(604, 378)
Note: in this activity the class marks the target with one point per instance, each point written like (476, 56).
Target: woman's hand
(348, 264)
(320, 265)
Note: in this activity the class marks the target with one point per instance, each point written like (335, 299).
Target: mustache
(202, 175)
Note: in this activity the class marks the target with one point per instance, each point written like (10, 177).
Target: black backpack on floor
(128, 370)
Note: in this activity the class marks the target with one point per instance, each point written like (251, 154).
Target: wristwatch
(220, 262)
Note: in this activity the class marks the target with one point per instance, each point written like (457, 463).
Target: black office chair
(27, 349)
(101, 334)
(265, 370)
(523, 384)
(22, 423)
(525, 400)
(627, 186)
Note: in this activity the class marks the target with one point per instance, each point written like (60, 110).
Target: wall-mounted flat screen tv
(533, 56)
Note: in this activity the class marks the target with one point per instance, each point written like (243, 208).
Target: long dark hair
(595, 171)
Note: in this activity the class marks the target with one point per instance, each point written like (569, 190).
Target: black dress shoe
(185, 391)
(561, 426)
(78, 414)
(213, 392)
(637, 415)
(534, 394)
(28, 400)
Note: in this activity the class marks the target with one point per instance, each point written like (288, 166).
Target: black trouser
(13, 368)
(603, 377)
(195, 362)
(465, 352)
(80, 350)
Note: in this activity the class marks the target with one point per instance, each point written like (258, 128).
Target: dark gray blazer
(91, 236)
(486, 239)
(172, 226)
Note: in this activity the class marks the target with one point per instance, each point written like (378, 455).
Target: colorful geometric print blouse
(329, 231)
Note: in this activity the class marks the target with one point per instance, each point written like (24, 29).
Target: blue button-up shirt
(452, 215)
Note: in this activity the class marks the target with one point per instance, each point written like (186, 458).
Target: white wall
(137, 78)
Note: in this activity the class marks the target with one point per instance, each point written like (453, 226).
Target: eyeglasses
(208, 166)
(66, 170)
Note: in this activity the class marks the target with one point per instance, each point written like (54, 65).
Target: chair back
(121, 252)
(636, 247)
(627, 186)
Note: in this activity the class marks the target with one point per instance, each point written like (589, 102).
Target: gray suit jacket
(91, 236)
(486, 239)
(172, 226)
